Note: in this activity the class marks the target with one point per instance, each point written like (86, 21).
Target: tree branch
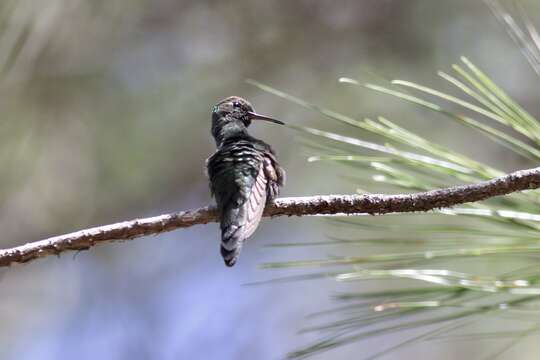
(292, 206)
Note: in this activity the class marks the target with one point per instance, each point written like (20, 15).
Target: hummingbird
(244, 173)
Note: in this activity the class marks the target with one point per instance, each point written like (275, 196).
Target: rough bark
(374, 204)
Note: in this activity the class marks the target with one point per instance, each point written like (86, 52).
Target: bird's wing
(239, 219)
(239, 184)
(255, 203)
(274, 174)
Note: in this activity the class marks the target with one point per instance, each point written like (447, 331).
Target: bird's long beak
(255, 116)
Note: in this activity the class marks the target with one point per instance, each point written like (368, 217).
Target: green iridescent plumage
(244, 174)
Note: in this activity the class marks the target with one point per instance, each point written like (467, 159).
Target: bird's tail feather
(240, 220)
(238, 224)
(232, 235)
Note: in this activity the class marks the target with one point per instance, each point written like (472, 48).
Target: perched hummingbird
(244, 174)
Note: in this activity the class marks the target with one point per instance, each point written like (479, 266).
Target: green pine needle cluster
(428, 294)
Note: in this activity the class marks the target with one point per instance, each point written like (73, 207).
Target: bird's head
(232, 116)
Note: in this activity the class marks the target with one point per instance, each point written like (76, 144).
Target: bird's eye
(236, 104)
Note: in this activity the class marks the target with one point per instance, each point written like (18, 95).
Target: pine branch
(293, 206)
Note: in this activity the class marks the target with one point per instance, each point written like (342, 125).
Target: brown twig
(292, 206)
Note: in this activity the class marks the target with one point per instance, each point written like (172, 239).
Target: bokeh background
(105, 115)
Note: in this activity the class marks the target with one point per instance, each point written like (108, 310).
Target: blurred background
(105, 110)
